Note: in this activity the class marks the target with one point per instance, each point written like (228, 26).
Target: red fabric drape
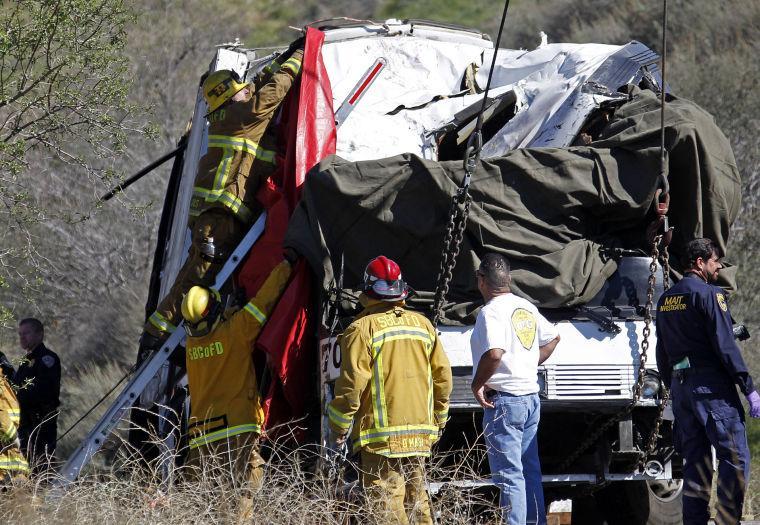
(307, 130)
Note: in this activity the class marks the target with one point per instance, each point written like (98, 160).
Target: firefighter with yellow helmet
(240, 158)
(13, 465)
(225, 408)
(394, 387)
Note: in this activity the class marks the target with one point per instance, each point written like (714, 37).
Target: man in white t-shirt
(508, 343)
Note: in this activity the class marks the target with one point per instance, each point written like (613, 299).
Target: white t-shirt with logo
(513, 324)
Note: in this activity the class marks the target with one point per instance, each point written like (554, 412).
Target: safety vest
(11, 458)
(224, 395)
(242, 146)
(394, 384)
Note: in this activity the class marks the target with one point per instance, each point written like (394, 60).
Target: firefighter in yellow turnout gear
(240, 157)
(394, 386)
(13, 465)
(226, 414)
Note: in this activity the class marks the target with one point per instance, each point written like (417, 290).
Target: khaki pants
(233, 462)
(227, 232)
(395, 488)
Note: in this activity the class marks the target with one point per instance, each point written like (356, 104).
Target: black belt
(498, 393)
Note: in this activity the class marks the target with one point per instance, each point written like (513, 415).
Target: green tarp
(557, 214)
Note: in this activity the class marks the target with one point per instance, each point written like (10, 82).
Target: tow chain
(458, 212)
(652, 445)
(663, 201)
(628, 410)
(460, 202)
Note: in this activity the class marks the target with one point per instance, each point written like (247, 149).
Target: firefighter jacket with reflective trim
(241, 146)
(394, 384)
(11, 458)
(224, 395)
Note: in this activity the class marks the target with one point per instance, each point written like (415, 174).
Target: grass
(123, 493)
(298, 488)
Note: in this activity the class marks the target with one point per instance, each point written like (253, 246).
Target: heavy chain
(652, 445)
(628, 410)
(460, 208)
(458, 213)
(647, 331)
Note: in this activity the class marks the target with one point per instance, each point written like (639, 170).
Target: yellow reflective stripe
(236, 206)
(10, 435)
(405, 454)
(224, 434)
(222, 172)
(14, 464)
(441, 416)
(379, 435)
(430, 392)
(269, 69)
(338, 418)
(230, 201)
(398, 430)
(402, 332)
(378, 387)
(381, 337)
(293, 64)
(161, 322)
(241, 144)
(255, 312)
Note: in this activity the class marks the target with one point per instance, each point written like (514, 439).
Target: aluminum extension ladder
(150, 367)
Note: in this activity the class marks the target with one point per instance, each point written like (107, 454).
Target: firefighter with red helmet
(394, 387)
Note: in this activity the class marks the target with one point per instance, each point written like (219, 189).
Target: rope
(479, 124)
(460, 202)
(96, 405)
(663, 179)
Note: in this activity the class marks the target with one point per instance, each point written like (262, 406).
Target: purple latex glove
(754, 404)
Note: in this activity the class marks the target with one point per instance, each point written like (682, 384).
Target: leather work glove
(149, 344)
(754, 404)
(335, 438)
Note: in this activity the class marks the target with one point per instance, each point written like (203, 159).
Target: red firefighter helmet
(382, 280)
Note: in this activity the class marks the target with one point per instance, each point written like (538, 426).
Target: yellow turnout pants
(227, 232)
(395, 488)
(232, 462)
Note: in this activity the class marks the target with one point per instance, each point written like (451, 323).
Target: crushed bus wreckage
(566, 187)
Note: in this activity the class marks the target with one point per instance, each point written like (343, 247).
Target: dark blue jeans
(708, 412)
(510, 433)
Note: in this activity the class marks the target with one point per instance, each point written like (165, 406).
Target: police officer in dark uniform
(38, 386)
(700, 362)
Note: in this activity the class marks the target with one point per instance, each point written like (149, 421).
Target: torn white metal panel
(417, 72)
(547, 80)
(420, 89)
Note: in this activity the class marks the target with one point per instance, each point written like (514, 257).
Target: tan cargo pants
(232, 462)
(395, 488)
(227, 232)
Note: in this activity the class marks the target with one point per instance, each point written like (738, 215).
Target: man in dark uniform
(700, 362)
(38, 386)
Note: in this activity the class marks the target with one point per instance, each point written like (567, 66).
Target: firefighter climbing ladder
(119, 409)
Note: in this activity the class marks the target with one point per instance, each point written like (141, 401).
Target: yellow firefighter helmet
(201, 308)
(220, 86)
